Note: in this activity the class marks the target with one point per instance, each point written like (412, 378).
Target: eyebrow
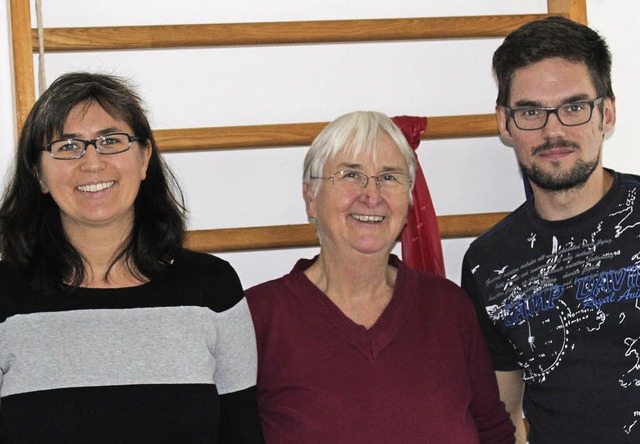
(357, 166)
(99, 133)
(536, 104)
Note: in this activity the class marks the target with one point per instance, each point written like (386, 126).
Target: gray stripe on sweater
(160, 345)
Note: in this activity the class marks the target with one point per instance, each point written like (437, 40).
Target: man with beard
(556, 284)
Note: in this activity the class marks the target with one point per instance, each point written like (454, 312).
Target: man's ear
(608, 114)
(502, 118)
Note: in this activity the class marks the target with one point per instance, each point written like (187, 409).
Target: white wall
(298, 83)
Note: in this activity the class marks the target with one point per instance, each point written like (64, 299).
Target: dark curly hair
(32, 237)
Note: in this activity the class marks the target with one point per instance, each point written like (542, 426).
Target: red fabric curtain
(421, 246)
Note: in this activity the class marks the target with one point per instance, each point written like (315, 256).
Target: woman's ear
(43, 185)
(145, 152)
(309, 200)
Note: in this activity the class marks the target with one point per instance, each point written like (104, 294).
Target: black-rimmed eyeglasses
(67, 149)
(530, 118)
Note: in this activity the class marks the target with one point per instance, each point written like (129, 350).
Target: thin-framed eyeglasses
(67, 149)
(530, 118)
(393, 182)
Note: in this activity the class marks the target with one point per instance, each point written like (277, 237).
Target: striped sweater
(173, 360)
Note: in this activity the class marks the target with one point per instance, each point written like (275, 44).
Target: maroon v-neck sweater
(420, 374)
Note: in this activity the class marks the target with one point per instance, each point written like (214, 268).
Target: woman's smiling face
(96, 189)
(367, 221)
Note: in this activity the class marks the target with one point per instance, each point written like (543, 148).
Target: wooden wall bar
(24, 79)
(25, 43)
(304, 235)
(302, 134)
(277, 33)
(576, 10)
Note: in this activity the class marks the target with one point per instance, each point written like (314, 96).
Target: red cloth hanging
(421, 246)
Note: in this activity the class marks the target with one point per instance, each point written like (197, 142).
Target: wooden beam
(304, 235)
(453, 127)
(24, 80)
(238, 137)
(575, 10)
(302, 134)
(252, 238)
(277, 33)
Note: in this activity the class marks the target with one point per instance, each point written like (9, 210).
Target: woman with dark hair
(110, 331)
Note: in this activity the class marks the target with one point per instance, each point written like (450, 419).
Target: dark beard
(575, 178)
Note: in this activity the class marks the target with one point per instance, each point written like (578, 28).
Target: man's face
(556, 157)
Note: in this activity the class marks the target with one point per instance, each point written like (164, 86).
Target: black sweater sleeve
(239, 421)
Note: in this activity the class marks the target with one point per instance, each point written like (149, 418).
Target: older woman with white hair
(353, 345)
